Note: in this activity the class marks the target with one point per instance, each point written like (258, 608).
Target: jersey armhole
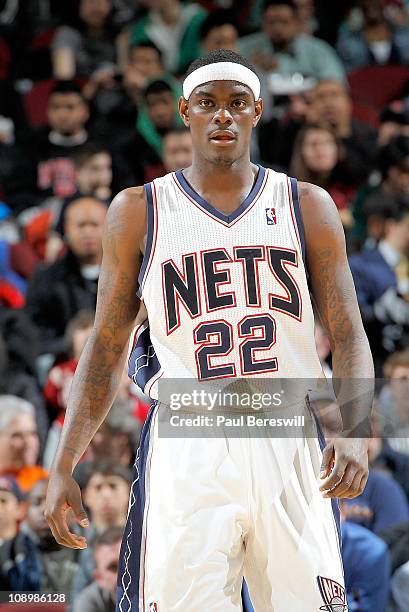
(299, 225)
(150, 237)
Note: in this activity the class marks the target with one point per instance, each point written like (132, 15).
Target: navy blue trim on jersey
(215, 211)
(149, 237)
(143, 363)
(334, 501)
(127, 593)
(298, 217)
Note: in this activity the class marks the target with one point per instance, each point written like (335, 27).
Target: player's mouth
(223, 137)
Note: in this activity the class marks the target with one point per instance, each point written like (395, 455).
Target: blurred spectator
(88, 47)
(143, 63)
(332, 104)
(19, 444)
(381, 199)
(59, 380)
(51, 171)
(57, 292)
(393, 402)
(19, 344)
(381, 280)
(33, 561)
(382, 505)
(12, 509)
(99, 596)
(319, 158)
(106, 495)
(174, 28)
(177, 149)
(367, 567)
(139, 159)
(219, 31)
(281, 48)
(400, 590)
(307, 22)
(377, 41)
(277, 135)
(93, 171)
(394, 121)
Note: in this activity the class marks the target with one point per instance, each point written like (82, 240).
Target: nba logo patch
(333, 595)
(153, 607)
(271, 216)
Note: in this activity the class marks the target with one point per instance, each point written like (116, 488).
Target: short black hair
(216, 19)
(107, 467)
(220, 55)
(109, 536)
(157, 86)
(66, 86)
(289, 3)
(145, 44)
(393, 154)
(81, 156)
(177, 129)
(400, 210)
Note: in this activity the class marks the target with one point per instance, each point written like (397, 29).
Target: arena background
(88, 106)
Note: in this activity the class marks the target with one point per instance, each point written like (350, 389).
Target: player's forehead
(222, 88)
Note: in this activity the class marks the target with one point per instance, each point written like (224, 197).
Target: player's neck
(207, 178)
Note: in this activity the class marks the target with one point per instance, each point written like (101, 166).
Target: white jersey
(226, 295)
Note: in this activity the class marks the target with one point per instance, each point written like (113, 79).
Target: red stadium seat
(376, 86)
(366, 114)
(35, 102)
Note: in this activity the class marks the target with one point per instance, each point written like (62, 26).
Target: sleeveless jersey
(226, 295)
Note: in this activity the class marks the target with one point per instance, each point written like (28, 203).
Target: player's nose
(223, 116)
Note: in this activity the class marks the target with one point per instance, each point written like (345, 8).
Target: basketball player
(219, 249)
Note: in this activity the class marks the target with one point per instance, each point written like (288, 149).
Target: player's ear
(258, 111)
(184, 111)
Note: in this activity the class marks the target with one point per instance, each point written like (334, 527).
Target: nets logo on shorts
(271, 216)
(153, 607)
(333, 595)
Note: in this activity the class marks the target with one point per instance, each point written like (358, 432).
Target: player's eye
(240, 104)
(205, 103)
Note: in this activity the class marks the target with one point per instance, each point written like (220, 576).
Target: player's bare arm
(101, 365)
(345, 458)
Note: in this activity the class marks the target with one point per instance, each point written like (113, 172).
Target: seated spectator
(219, 31)
(399, 601)
(174, 28)
(32, 560)
(367, 567)
(177, 149)
(319, 158)
(100, 595)
(381, 280)
(381, 506)
(93, 175)
(393, 121)
(19, 444)
(381, 199)
(333, 105)
(59, 379)
(106, 495)
(19, 345)
(57, 292)
(50, 170)
(281, 48)
(139, 159)
(393, 404)
(12, 510)
(88, 44)
(143, 63)
(276, 135)
(377, 41)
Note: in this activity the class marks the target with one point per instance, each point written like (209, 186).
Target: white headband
(221, 71)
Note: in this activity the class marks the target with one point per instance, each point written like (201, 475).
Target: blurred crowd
(88, 106)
